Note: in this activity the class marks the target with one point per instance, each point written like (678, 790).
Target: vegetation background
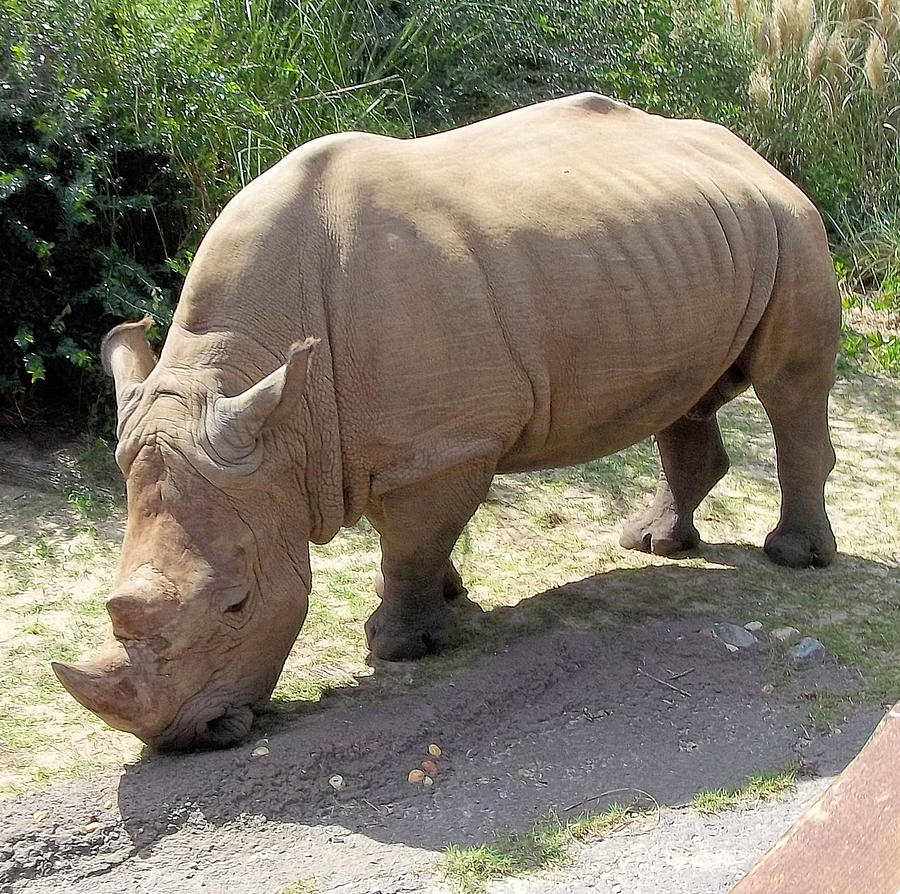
(126, 125)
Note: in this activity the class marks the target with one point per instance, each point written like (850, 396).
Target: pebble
(786, 635)
(807, 652)
(262, 751)
(336, 782)
(753, 626)
(427, 781)
(430, 767)
(415, 776)
(733, 635)
(434, 750)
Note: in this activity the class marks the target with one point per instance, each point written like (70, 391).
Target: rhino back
(553, 284)
(545, 286)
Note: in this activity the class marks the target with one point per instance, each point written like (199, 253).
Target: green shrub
(88, 218)
(125, 125)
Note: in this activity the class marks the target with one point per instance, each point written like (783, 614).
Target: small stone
(786, 635)
(807, 652)
(90, 828)
(753, 626)
(336, 782)
(108, 805)
(733, 635)
(731, 647)
(767, 688)
(435, 750)
(430, 767)
(41, 815)
(415, 776)
(427, 781)
(261, 751)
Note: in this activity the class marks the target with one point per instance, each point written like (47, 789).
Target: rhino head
(214, 576)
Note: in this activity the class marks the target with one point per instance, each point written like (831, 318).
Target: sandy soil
(550, 723)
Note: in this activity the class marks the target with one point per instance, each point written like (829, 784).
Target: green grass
(301, 886)
(762, 787)
(541, 845)
(551, 842)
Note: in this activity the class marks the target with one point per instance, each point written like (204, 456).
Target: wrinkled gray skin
(532, 291)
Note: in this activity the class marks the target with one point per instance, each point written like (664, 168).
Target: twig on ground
(678, 689)
(672, 676)
(612, 791)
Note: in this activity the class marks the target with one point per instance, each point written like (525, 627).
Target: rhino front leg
(453, 583)
(692, 459)
(419, 526)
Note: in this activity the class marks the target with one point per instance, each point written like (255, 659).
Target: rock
(807, 652)
(734, 635)
(786, 635)
(415, 776)
(767, 688)
(430, 767)
(336, 782)
(434, 750)
(262, 751)
(753, 626)
(427, 781)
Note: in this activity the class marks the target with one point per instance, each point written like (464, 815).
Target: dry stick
(672, 676)
(640, 670)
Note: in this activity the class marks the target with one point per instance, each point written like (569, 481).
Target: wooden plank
(848, 841)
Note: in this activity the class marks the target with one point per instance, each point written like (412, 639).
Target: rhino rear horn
(237, 422)
(127, 357)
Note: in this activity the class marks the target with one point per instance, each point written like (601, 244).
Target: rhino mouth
(229, 728)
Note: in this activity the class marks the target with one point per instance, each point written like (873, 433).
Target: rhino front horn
(106, 688)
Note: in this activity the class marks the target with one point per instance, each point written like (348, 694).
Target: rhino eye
(233, 600)
(238, 606)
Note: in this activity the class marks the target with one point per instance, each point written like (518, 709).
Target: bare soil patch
(543, 725)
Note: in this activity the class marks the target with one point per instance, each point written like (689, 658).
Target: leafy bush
(89, 218)
(125, 125)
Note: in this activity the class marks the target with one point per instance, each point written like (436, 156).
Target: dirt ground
(551, 723)
(550, 706)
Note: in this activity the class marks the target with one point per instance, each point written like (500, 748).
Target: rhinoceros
(378, 326)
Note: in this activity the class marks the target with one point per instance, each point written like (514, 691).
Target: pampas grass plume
(875, 66)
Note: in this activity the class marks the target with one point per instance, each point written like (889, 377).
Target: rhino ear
(237, 422)
(127, 357)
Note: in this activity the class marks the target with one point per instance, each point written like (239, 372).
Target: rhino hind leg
(692, 459)
(421, 591)
(798, 411)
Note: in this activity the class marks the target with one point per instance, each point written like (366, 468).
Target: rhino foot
(661, 533)
(801, 549)
(400, 637)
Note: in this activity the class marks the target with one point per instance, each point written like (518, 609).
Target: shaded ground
(545, 724)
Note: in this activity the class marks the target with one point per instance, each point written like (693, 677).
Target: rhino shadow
(535, 722)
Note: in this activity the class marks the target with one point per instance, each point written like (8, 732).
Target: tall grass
(823, 104)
